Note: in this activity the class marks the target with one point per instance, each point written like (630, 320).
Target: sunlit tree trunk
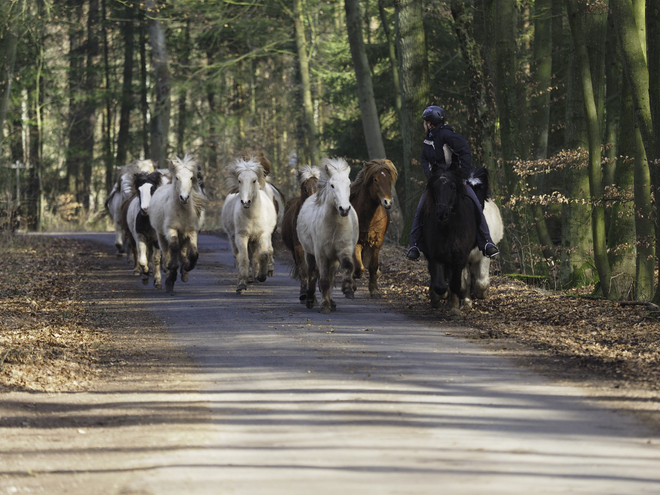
(144, 105)
(590, 92)
(127, 102)
(365, 90)
(162, 106)
(303, 61)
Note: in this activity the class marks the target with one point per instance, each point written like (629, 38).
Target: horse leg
(157, 257)
(438, 286)
(374, 273)
(357, 260)
(326, 277)
(119, 239)
(192, 255)
(347, 284)
(265, 250)
(312, 276)
(481, 275)
(458, 292)
(173, 263)
(243, 260)
(301, 268)
(143, 255)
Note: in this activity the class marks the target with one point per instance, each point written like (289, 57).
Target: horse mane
(305, 173)
(142, 178)
(371, 168)
(259, 156)
(450, 175)
(329, 167)
(240, 165)
(199, 199)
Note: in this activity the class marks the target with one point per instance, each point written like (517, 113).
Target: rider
(439, 135)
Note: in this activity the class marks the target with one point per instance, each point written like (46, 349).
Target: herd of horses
(333, 226)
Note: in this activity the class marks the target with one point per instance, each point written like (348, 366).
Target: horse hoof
(184, 276)
(169, 289)
(262, 278)
(309, 303)
(145, 281)
(376, 295)
(158, 286)
(271, 273)
(325, 310)
(241, 288)
(302, 297)
(435, 304)
(349, 295)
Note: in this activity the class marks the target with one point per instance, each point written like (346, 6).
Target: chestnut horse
(371, 196)
(308, 178)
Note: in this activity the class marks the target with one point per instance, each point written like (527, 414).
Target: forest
(559, 100)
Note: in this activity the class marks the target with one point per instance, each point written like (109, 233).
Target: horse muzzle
(183, 199)
(246, 204)
(343, 211)
(387, 203)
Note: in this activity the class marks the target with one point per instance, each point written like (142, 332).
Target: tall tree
(413, 63)
(127, 100)
(161, 110)
(370, 121)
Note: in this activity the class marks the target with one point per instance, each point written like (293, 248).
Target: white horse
(476, 275)
(176, 214)
(121, 191)
(328, 232)
(137, 218)
(249, 219)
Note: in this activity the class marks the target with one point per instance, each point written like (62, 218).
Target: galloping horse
(449, 226)
(139, 224)
(371, 196)
(308, 178)
(328, 232)
(119, 194)
(176, 214)
(249, 219)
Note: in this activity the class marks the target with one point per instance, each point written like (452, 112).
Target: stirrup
(413, 253)
(490, 250)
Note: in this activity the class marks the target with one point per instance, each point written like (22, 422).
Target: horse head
(308, 178)
(246, 177)
(145, 185)
(184, 176)
(334, 185)
(378, 176)
(445, 188)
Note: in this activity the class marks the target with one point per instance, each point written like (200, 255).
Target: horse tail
(480, 182)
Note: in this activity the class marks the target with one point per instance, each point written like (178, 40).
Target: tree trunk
(413, 63)
(127, 103)
(161, 109)
(590, 98)
(365, 90)
(183, 94)
(144, 105)
(303, 61)
(7, 60)
(394, 64)
(107, 125)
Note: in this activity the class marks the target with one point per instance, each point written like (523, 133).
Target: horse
(308, 178)
(249, 219)
(140, 227)
(118, 195)
(328, 232)
(476, 275)
(371, 197)
(177, 214)
(449, 227)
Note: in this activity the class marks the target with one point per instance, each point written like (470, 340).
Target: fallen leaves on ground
(50, 338)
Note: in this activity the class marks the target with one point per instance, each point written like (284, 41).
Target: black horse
(449, 227)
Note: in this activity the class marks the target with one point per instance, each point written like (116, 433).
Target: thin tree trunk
(394, 64)
(107, 125)
(161, 110)
(127, 102)
(89, 107)
(413, 64)
(303, 61)
(7, 61)
(589, 95)
(370, 121)
(75, 125)
(183, 94)
(144, 105)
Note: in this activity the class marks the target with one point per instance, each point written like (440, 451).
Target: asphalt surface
(282, 399)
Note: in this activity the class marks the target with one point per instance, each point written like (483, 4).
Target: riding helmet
(434, 115)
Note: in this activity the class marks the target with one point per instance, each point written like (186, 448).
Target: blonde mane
(240, 165)
(305, 173)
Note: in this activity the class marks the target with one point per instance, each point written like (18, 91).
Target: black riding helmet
(434, 115)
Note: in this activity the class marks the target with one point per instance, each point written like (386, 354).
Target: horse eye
(254, 181)
(332, 185)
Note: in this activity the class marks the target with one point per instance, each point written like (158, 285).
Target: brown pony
(371, 196)
(308, 178)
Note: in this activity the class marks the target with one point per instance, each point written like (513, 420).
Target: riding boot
(414, 252)
(484, 241)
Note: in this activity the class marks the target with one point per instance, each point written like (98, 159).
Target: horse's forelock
(306, 173)
(372, 168)
(240, 165)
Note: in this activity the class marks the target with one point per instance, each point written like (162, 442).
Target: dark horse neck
(366, 208)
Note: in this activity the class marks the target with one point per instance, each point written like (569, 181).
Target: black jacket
(433, 155)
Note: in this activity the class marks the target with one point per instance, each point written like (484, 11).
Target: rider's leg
(413, 252)
(484, 241)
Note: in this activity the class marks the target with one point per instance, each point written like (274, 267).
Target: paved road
(285, 400)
